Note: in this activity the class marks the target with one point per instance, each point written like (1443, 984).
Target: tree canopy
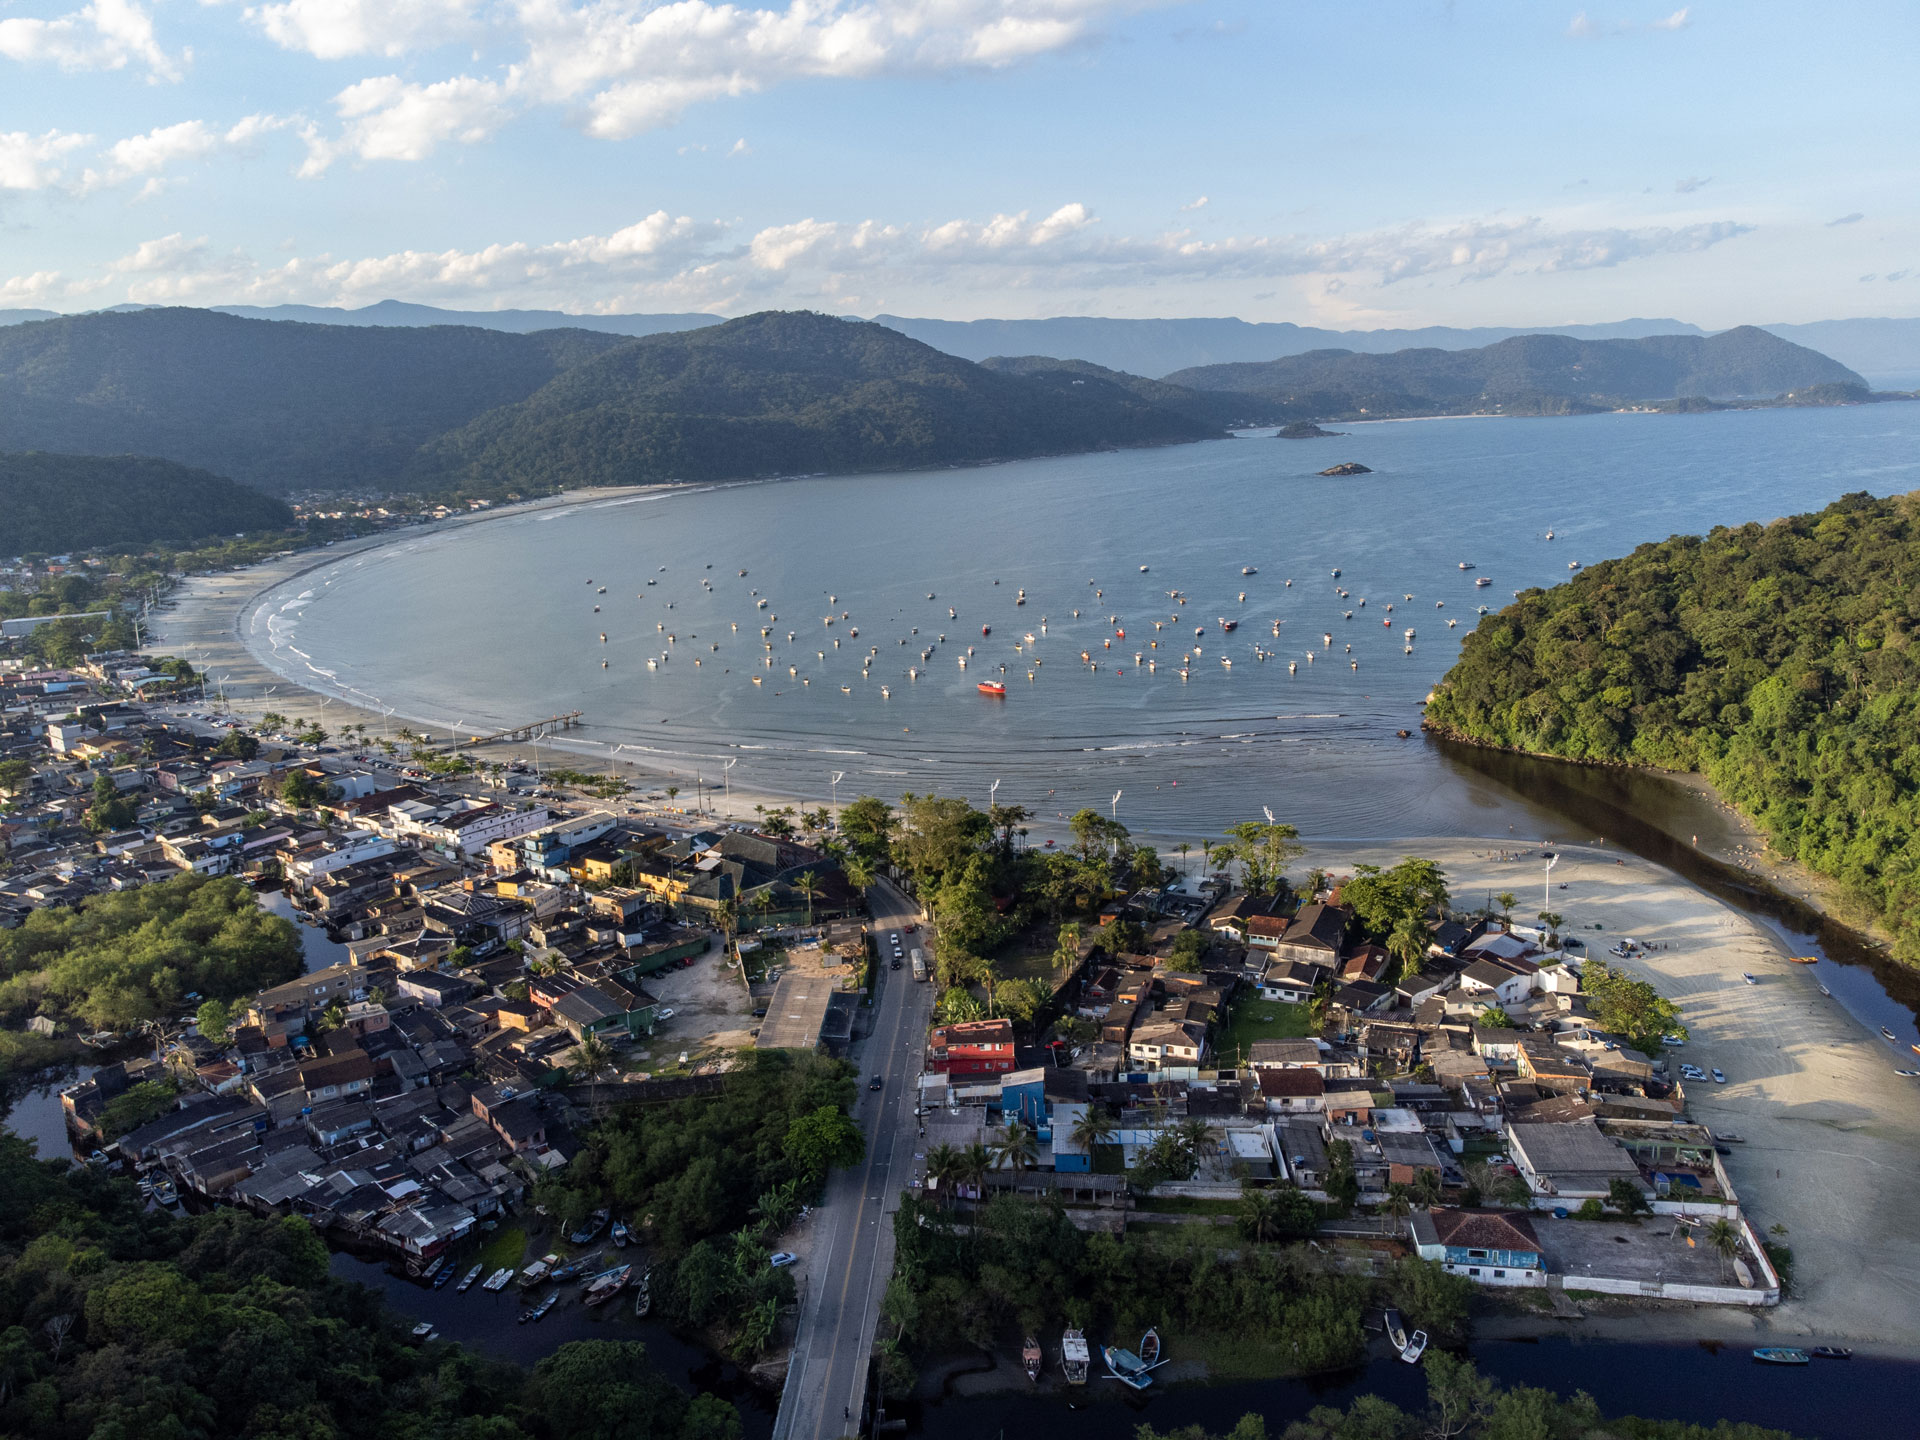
(1778, 660)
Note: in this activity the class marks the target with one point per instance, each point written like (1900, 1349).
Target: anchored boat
(992, 687)
(1031, 1357)
(1074, 1358)
(1782, 1355)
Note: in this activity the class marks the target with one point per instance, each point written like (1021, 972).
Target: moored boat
(1830, 1352)
(991, 687)
(1125, 1366)
(1150, 1348)
(1074, 1357)
(497, 1281)
(1396, 1329)
(643, 1295)
(1782, 1355)
(607, 1284)
(620, 1233)
(1415, 1348)
(1889, 1034)
(1031, 1357)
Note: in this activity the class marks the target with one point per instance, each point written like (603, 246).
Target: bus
(919, 963)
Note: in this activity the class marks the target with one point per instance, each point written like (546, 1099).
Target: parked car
(1718, 1078)
(1674, 1041)
(665, 1012)
(896, 963)
(780, 1258)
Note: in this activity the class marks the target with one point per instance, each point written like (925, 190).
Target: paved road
(852, 1252)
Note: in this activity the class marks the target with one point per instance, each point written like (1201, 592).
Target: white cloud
(1584, 27)
(1199, 204)
(664, 260)
(393, 119)
(34, 162)
(1691, 183)
(167, 145)
(103, 35)
(1676, 21)
(336, 29)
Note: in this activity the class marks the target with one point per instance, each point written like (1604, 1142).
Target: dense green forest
(1217, 409)
(1530, 374)
(273, 404)
(790, 393)
(117, 1323)
(54, 503)
(135, 955)
(1778, 660)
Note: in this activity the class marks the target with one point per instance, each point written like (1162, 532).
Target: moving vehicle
(1748, 978)
(875, 1083)
(895, 965)
(919, 964)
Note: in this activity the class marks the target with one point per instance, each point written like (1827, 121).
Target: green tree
(825, 1138)
(136, 1106)
(214, 1019)
(1264, 850)
(1624, 1196)
(1189, 952)
(1017, 1147)
(1094, 1127)
(1342, 1183)
(1506, 900)
(1630, 1008)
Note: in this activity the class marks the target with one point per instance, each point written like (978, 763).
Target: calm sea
(495, 624)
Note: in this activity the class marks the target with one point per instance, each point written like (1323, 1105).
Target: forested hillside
(1530, 374)
(275, 405)
(1214, 408)
(56, 503)
(1778, 660)
(784, 393)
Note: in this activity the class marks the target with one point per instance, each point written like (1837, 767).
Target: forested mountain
(278, 406)
(1531, 374)
(1782, 661)
(56, 503)
(1210, 407)
(789, 392)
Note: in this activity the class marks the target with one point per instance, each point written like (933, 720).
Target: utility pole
(726, 779)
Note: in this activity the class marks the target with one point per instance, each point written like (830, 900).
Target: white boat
(1415, 1348)
(466, 1282)
(607, 1284)
(1396, 1330)
(498, 1279)
(1074, 1357)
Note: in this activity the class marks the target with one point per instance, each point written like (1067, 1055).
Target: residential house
(1490, 1247)
(1570, 1163)
(975, 1047)
(1317, 936)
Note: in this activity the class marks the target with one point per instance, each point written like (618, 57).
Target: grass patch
(507, 1247)
(1237, 1356)
(1573, 1294)
(1255, 1019)
(1186, 1205)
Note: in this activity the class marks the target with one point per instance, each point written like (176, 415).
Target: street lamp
(1546, 883)
(833, 784)
(726, 779)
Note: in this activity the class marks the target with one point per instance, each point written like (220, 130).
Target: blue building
(1489, 1247)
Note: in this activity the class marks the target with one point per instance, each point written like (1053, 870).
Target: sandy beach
(1832, 1135)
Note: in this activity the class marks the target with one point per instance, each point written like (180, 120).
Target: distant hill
(279, 406)
(56, 503)
(1159, 347)
(1883, 350)
(1210, 408)
(787, 393)
(21, 317)
(1532, 374)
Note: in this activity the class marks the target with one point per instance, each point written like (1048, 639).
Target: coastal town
(519, 959)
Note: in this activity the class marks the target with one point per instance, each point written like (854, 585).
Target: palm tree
(1195, 1136)
(777, 1207)
(1094, 1128)
(1725, 1238)
(591, 1057)
(1426, 1188)
(808, 884)
(1017, 1148)
(976, 1161)
(944, 1164)
(1184, 848)
(1506, 900)
(1260, 1218)
(1206, 857)
(1399, 1202)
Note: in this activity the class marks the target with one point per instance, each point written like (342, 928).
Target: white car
(665, 1012)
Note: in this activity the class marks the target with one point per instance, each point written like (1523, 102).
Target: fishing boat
(1415, 1348)
(1249, 570)
(1150, 1349)
(1889, 1034)
(540, 1310)
(1228, 626)
(1074, 1358)
(1126, 1367)
(1030, 1355)
(1482, 582)
(1396, 1329)
(538, 1271)
(164, 1195)
(991, 687)
(497, 1281)
(1830, 1352)
(434, 1267)
(443, 1279)
(423, 1330)
(1466, 565)
(986, 629)
(607, 1284)
(1782, 1355)
(643, 1295)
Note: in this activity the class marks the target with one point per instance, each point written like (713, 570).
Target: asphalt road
(851, 1254)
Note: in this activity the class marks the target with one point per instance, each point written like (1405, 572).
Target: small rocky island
(1351, 467)
(1305, 430)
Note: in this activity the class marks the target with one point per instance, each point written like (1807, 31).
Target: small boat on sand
(1889, 1034)
(1804, 959)
(1782, 1355)
(1030, 1354)
(1830, 1352)
(620, 1233)
(1074, 1357)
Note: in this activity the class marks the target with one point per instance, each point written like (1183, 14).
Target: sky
(1350, 163)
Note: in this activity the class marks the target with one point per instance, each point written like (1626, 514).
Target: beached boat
(1074, 1357)
(643, 1295)
(1415, 1348)
(498, 1279)
(620, 1233)
(1804, 959)
(1826, 992)
(1125, 1366)
(990, 687)
(1889, 1034)
(538, 1271)
(1150, 1348)
(607, 1284)
(164, 1194)
(540, 1310)
(1743, 1274)
(1830, 1352)
(1782, 1355)
(1030, 1355)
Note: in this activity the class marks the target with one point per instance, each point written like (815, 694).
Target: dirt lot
(711, 1012)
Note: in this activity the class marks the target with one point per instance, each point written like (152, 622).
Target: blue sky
(1375, 162)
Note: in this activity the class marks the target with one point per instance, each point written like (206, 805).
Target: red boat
(1227, 625)
(992, 687)
(986, 629)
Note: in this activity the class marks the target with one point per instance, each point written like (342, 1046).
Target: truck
(919, 963)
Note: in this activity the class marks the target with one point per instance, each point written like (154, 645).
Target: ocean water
(495, 624)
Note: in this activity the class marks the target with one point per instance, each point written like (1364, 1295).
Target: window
(1476, 1254)
(1474, 1270)
(1499, 1274)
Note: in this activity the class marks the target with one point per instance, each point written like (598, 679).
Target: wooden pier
(523, 732)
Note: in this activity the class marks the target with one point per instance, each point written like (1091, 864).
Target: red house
(975, 1047)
